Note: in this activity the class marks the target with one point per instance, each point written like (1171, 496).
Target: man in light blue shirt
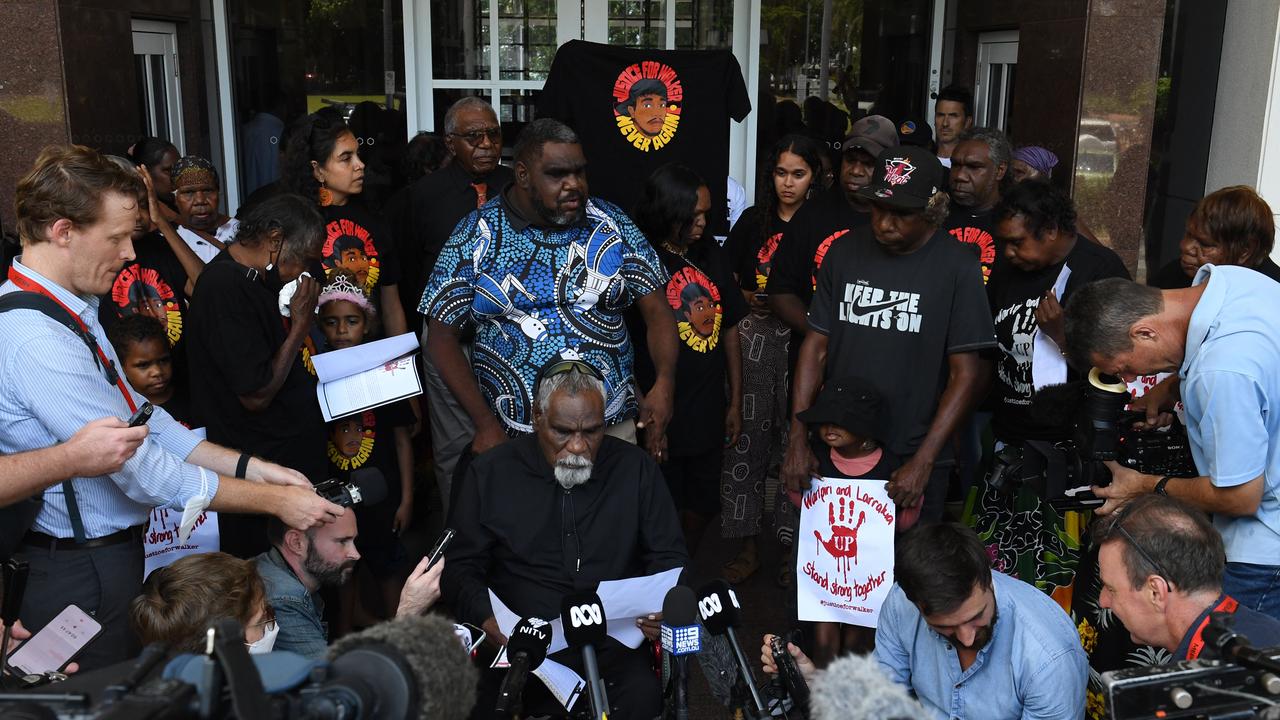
(970, 643)
(1222, 337)
(76, 212)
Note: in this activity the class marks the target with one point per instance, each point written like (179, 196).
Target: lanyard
(29, 285)
(1228, 605)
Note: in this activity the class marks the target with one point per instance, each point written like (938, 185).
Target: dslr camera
(1094, 427)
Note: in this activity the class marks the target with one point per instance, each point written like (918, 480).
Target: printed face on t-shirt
(695, 300)
(649, 112)
(647, 99)
(351, 440)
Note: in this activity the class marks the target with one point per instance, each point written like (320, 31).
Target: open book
(366, 376)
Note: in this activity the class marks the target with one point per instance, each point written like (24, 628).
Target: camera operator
(98, 448)
(970, 642)
(76, 212)
(300, 563)
(1161, 566)
(1220, 336)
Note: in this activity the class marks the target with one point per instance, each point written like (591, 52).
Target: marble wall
(32, 91)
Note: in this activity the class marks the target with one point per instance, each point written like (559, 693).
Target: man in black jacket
(558, 511)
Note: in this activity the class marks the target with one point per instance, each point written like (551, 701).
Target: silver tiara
(340, 284)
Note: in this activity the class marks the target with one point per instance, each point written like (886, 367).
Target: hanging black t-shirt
(637, 110)
(808, 238)
(373, 444)
(894, 319)
(706, 303)
(354, 239)
(235, 328)
(751, 247)
(1172, 277)
(1014, 295)
(155, 278)
(976, 229)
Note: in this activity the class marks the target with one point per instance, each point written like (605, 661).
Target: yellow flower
(1095, 704)
(1088, 636)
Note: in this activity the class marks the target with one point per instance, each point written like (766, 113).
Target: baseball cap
(915, 131)
(872, 133)
(905, 177)
(851, 403)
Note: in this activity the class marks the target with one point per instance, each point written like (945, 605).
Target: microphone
(526, 649)
(854, 687)
(582, 615)
(721, 613)
(440, 673)
(679, 639)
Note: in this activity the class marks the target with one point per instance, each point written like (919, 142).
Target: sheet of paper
(844, 558)
(337, 364)
(561, 680)
(1048, 367)
(387, 383)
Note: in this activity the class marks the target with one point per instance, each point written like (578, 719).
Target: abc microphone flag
(583, 620)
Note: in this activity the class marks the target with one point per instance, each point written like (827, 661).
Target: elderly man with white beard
(554, 512)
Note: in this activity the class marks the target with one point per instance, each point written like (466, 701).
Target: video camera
(1094, 427)
(367, 682)
(367, 486)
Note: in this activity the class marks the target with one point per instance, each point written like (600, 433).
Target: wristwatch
(1160, 486)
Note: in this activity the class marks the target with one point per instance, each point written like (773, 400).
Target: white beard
(573, 471)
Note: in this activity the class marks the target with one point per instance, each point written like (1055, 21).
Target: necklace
(673, 249)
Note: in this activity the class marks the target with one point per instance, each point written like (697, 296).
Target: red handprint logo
(843, 543)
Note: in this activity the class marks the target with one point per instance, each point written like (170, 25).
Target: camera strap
(36, 297)
(1229, 606)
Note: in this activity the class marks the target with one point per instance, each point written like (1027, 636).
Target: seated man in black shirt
(547, 514)
(1161, 565)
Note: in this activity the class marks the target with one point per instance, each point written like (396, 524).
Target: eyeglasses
(476, 137)
(561, 367)
(267, 623)
(1119, 527)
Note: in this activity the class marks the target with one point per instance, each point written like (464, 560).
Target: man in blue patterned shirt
(544, 270)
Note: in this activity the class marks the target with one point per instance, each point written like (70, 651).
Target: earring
(326, 197)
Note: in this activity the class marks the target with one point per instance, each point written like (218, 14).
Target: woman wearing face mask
(249, 386)
(178, 603)
(793, 174)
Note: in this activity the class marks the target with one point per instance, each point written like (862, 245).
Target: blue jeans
(1254, 586)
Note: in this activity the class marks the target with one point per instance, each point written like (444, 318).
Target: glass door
(997, 68)
(155, 66)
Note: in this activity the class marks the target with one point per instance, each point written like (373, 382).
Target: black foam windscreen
(533, 637)
(582, 615)
(1058, 406)
(442, 671)
(679, 607)
(372, 484)
(718, 606)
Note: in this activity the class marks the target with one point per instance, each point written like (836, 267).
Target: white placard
(844, 558)
(161, 546)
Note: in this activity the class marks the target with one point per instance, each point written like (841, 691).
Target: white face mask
(263, 645)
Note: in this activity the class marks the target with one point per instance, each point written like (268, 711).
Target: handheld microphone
(854, 687)
(582, 615)
(526, 649)
(721, 613)
(680, 639)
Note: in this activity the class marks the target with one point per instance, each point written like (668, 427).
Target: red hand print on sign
(843, 543)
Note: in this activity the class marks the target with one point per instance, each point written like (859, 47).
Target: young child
(147, 361)
(843, 427)
(377, 438)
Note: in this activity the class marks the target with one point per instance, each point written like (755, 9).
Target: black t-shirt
(751, 246)
(372, 444)
(826, 468)
(976, 229)
(235, 328)
(437, 202)
(1014, 295)
(894, 319)
(808, 238)
(706, 303)
(1172, 277)
(354, 239)
(679, 113)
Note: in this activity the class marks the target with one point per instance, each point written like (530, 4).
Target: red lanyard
(30, 285)
(1228, 605)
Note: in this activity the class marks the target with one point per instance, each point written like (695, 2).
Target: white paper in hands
(337, 364)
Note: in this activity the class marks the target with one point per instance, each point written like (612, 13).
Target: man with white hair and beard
(544, 515)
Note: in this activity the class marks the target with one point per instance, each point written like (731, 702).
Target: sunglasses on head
(560, 367)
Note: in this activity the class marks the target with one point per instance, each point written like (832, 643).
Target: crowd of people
(605, 385)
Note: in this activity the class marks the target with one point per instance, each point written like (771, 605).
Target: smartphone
(469, 635)
(56, 643)
(142, 415)
(762, 297)
(437, 551)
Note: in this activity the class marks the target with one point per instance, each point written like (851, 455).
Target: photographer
(1161, 565)
(99, 448)
(76, 212)
(300, 563)
(1220, 336)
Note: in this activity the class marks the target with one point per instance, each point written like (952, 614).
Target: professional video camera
(367, 486)
(1095, 427)
(1231, 680)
